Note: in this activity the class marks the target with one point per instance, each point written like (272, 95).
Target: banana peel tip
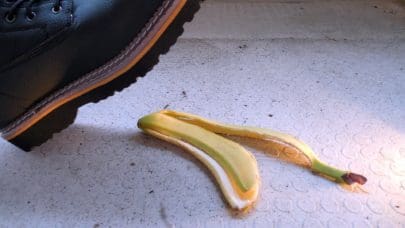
(351, 178)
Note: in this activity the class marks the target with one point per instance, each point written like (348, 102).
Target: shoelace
(30, 14)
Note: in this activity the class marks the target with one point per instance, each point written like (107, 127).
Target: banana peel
(234, 168)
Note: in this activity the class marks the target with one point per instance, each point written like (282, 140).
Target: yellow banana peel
(234, 168)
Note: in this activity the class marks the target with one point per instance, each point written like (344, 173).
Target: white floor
(330, 72)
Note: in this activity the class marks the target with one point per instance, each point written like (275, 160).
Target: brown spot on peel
(351, 178)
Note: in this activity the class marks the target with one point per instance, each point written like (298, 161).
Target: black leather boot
(56, 55)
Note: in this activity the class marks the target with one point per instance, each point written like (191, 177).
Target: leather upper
(20, 38)
(43, 55)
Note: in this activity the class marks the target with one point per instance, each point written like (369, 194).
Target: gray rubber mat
(344, 95)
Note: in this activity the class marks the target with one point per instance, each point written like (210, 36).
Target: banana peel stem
(336, 174)
(327, 170)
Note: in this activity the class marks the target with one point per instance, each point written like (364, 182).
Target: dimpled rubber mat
(338, 86)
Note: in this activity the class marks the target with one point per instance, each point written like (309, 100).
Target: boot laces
(11, 14)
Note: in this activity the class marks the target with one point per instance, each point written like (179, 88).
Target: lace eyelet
(10, 18)
(56, 9)
(30, 16)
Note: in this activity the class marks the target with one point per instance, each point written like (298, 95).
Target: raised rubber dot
(218, 222)
(342, 138)
(375, 206)
(397, 168)
(395, 138)
(302, 186)
(307, 205)
(362, 139)
(389, 153)
(330, 205)
(286, 222)
(361, 224)
(351, 152)
(328, 153)
(370, 152)
(402, 152)
(312, 223)
(280, 185)
(321, 138)
(398, 205)
(370, 127)
(377, 167)
(261, 222)
(272, 166)
(333, 147)
(385, 223)
(387, 186)
(337, 223)
(353, 205)
(356, 166)
(192, 223)
(284, 205)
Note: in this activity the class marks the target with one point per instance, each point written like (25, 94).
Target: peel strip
(233, 196)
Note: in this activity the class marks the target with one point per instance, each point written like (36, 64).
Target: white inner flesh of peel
(225, 184)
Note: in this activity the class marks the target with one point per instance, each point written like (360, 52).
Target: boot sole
(59, 110)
